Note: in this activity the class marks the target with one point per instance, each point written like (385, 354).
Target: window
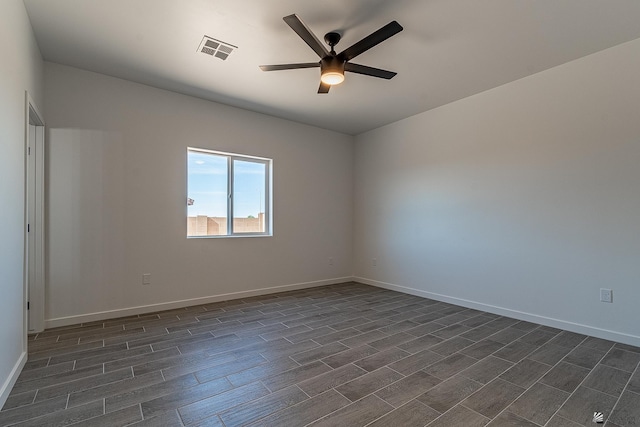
(224, 185)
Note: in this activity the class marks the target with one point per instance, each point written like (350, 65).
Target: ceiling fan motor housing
(331, 63)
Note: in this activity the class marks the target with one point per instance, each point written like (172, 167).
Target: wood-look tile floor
(341, 355)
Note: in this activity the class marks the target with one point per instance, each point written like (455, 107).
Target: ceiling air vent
(217, 48)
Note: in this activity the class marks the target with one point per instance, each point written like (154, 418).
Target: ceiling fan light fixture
(331, 71)
(333, 65)
(332, 77)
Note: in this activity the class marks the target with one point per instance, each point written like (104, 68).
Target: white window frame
(268, 163)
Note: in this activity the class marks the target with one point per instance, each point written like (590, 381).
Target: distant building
(203, 225)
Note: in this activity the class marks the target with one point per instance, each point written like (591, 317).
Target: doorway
(34, 218)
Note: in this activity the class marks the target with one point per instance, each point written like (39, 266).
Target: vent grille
(217, 48)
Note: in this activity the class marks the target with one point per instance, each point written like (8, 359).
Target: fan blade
(305, 33)
(324, 88)
(369, 71)
(289, 66)
(371, 40)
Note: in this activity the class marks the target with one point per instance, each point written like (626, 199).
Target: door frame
(34, 256)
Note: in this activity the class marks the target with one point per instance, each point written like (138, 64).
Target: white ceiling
(449, 49)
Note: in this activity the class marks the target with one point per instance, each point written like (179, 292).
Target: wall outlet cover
(606, 295)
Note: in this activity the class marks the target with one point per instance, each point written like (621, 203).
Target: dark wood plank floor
(341, 355)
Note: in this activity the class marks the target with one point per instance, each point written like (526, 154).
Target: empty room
(340, 213)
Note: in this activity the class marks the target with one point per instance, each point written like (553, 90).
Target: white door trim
(34, 287)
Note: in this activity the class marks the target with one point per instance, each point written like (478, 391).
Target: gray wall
(522, 200)
(117, 200)
(20, 71)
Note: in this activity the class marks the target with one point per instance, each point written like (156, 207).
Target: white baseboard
(13, 377)
(131, 311)
(520, 315)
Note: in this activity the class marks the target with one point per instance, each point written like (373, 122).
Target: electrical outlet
(374, 262)
(330, 260)
(606, 295)
(146, 279)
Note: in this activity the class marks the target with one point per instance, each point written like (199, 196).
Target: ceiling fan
(332, 65)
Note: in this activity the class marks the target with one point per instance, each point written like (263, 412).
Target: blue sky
(207, 186)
